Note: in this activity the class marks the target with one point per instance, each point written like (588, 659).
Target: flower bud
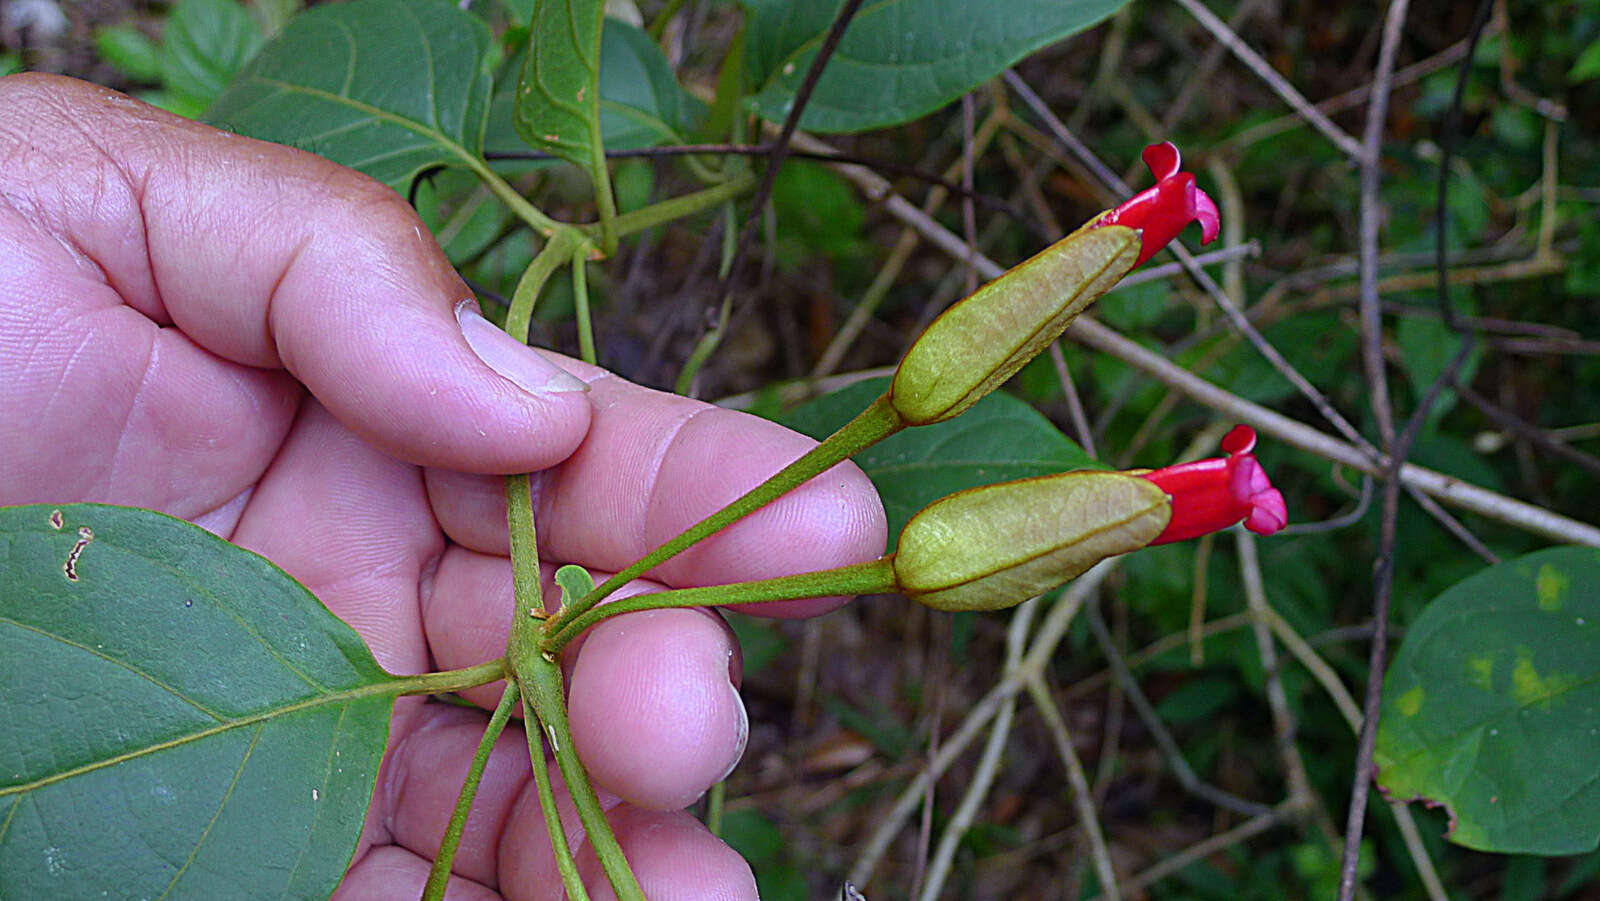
(998, 545)
(981, 341)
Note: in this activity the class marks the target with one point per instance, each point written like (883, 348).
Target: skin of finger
(654, 712)
(653, 464)
(102, 404)
(671, 853)
(653, 698)
(269, 256)
(391, 872)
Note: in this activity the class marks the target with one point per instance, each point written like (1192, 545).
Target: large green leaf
(178, 717)
(558, 102)
(899, 59)
(389, 87)
(1492, 706)
(999, 439)
(204, 44)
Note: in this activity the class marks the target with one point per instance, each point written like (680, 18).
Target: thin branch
(1082, 797)
(1279, 85)
(1371, 158)
(1158, 731)
(1050, 633)
(1399, 449)
(1201, 850)
(780, 149)
(988, 765)
(1514, 424)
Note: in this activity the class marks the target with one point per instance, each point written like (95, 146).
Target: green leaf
(641, 103)
(999, 439)
(1587, 66)
(178, 717)
(1426, 348)
(558, 102)
(389, 87)
(575, 582)
(128, 50)
(1492, 706)
(205, 43)
(899, 59)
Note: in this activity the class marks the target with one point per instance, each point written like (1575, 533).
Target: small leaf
(130, 51)
(205, 43)
(899, 59)
(575, 582)
(558, 103)
(1588, 65)
(389, 87)
(1492, 706)
(178, 717)
(1000, 438)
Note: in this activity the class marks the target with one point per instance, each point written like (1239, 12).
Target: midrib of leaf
(392, 686)
(411, 125)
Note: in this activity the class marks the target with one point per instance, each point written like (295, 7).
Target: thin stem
(566, 864)
(439, 874)
(872, 577)
(447, 681)
(508, 195)
(580, 301)
(716, 799)
(875, 423)
(674, 208)
(530, 614)
(541, 679)
(559, 249)
(1082, 797)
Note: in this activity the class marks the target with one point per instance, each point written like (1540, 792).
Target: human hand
(265, 343)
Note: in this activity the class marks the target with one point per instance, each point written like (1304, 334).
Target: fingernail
(744, 734)
(516, 363)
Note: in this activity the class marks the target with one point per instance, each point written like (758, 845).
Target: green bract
(998, 545)
(974, 346)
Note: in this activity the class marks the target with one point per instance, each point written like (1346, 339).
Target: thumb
(272, 257)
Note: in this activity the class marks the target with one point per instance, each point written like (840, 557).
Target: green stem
(529, 618)
(541, 679)
(872, 425)
(508, 195)
(447, 681)
(439, 874)
(604, 199)
(872, 577)
(561, 247)
(580, 302)
(565, 863)
(715, 799)
(674, 208)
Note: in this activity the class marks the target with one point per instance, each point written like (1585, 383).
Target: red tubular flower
(1208, 495)
(1161, 212)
